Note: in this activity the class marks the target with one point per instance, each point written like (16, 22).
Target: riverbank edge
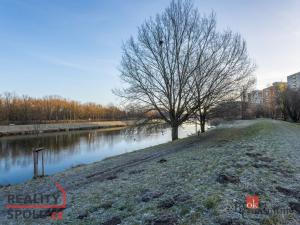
(16, 130)
(150, 153)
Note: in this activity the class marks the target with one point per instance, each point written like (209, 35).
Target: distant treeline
(24, 110)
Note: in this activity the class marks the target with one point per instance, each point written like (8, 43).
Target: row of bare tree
(24, 110)
(286, 105)
(181, 65)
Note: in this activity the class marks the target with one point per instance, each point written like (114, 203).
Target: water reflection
(67, 149)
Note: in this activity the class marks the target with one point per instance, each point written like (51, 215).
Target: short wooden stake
(36, 162)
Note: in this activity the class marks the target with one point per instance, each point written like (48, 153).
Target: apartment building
(267, 101)
(272, 100)
(294, 81)
(268, 95)
(255, 97)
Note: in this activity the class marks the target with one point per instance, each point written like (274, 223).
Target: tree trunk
(202, 121)
(174, 133)
(202, 126)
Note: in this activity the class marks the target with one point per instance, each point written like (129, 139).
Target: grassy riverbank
(57, 127)
(196, 180)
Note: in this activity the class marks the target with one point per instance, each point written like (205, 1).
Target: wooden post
(36, 162)
(43, 168)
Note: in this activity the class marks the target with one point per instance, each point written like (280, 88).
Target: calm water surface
(67, 149)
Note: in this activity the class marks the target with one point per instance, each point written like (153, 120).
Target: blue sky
(72, 48)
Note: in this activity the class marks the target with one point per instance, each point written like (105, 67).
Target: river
(68, 149)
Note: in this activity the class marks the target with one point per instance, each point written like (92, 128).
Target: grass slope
(196, 180)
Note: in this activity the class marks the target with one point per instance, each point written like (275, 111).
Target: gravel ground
(196, 180)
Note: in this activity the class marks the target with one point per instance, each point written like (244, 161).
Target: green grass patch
(212, 202)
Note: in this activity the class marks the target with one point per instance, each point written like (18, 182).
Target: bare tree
(8, 102)
(280, 93)
(25, 107)
(225, 69)
(179, 64)
(159, 65)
